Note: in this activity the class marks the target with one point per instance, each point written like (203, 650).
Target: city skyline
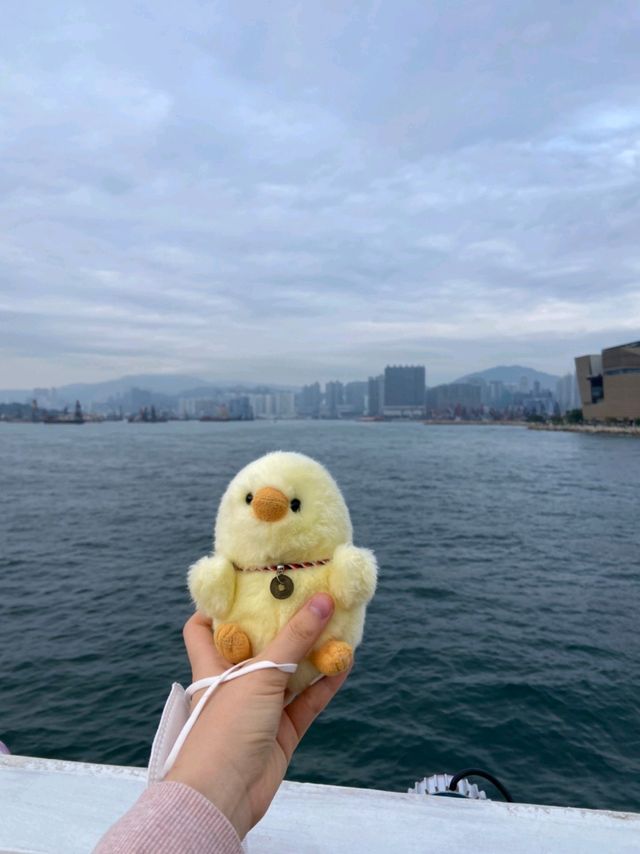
(309, 190)
(398, 393)
(177, 383)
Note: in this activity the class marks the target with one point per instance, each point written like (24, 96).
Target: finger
(204, 658)
(295, 640)
(307, 706)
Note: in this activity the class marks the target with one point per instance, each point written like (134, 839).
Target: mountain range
(170, 385)
(512, 374)
(184, 385)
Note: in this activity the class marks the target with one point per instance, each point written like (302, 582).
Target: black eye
(248, 497)
(295, 504)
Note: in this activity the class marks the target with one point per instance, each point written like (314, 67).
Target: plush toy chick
(283, 533)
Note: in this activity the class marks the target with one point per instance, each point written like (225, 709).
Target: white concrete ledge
(53, 806)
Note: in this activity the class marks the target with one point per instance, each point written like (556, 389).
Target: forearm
(170, 817)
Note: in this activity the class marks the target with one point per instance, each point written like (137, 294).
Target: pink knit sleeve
(171, 817)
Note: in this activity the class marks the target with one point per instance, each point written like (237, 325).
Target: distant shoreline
(610, 429)
(592, 429)
(462, 423)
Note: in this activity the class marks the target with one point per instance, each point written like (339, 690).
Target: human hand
(238, 751)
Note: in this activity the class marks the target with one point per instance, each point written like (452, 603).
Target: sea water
(504, 633)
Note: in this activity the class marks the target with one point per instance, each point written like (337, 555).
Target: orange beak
(269, 504)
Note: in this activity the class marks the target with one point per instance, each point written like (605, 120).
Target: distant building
(261, 405)
(278, 404)
(498, 394)
(375, 395)
(185, 407)
(542, 403)
(135, 399)
(198, 407)
(454, 396)
(308, 401)
(285, 404)
(354, 398)
(240, 409)
(609, 383)
(334, 398)
(567, 393)
(404, 391)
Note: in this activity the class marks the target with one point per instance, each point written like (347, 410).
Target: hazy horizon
(158, 382)
(302, 192)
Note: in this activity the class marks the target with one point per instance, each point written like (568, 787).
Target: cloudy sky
(297, 190)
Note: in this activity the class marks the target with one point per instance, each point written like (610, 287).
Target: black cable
(477, 772)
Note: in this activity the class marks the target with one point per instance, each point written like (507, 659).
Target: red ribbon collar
(282, 567)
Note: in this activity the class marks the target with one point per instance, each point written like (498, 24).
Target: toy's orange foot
(232, 643)
(333, 657)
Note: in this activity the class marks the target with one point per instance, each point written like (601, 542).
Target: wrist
(224, 790)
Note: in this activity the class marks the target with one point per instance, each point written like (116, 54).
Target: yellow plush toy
(283, 533)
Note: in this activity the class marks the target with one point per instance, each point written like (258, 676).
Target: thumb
(296, 639)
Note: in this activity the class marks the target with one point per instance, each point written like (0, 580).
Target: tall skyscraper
(308, 400)
(354, 397)
(567, 393)
(240, 409)
(404, 391)
(334, 398)
(375, 395)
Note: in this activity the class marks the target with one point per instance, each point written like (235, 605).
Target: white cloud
(309, 191)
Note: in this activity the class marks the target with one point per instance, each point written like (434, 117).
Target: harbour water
(504, 633)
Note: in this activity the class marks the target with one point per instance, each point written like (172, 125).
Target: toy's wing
(353, 576)
(212, 584)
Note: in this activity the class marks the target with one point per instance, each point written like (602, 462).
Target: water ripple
(504, 632)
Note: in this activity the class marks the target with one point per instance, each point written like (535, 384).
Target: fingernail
(322, 605)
